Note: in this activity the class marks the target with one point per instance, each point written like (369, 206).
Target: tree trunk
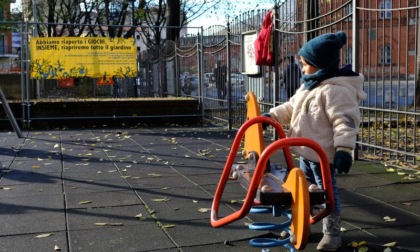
(174, 19)
(417, 77)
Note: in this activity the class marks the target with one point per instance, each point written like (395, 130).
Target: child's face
(306, 68)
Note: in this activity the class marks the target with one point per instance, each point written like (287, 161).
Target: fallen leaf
(44, 235)
(108, 224)
(161, 200)
(407, 203)
(85, 202)
(355, 244)
(140, 217)
(101, 223)
(154, 174)
(343, 229)
(195, 201)
(169, 226)
(204, 210)
(390, 170)
(35, 166)
(389, 219)
(387, 250)
(390, 244)
(57, 248)
(363, 249)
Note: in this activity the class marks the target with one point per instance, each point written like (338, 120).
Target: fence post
(276, 88)
(200, 49)
(229, 95)
(355, 56)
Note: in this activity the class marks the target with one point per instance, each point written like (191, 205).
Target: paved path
(149, 189)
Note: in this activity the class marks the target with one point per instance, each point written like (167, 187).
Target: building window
(348, 10)
(387, 4)
(385, 55)
(348, 56)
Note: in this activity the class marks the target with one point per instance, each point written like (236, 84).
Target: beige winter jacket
(329, 114)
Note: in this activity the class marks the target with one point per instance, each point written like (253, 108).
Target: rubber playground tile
(350, 198)
(198, 232)
(176, 205)
(16, 177)
(158, 181)
(409, 206)
(86, 186)
(191, 193)
(148, 237)
(392, 192)
(29, 204)
(105, 217)
(100, 173)
(30, 242)
(147, 170)
(231, 246)
(31, 189)
(36, 165)
(402, 235)
(101, 199)
(38, 154)
(45, 221)
(353, 181)
(210, 178)
(378, 216)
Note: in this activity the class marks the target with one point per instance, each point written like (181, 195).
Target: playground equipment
(269, 190)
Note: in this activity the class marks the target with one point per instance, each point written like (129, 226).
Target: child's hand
(342, 162)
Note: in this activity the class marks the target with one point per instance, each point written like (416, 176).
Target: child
(325, 109)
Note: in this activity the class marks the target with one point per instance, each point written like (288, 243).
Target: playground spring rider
(266, 191)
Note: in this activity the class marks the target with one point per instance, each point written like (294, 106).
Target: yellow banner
(65, 57)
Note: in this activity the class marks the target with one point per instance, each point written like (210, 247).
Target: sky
(219, 17)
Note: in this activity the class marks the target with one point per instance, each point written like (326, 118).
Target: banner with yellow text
(77, 57)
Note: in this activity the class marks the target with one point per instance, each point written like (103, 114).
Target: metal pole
(133, 21)
(35, 13)
(229, 95)
(10, 114)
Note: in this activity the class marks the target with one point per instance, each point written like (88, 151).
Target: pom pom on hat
(324, 51)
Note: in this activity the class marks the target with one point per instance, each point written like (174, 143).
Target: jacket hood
(354, 83)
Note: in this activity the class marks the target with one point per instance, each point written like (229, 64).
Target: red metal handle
(283, 143)
(258, 173)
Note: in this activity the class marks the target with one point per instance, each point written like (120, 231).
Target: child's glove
(264, 125)
(342, 161)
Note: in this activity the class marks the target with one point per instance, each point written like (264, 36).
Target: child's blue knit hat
(324, 51)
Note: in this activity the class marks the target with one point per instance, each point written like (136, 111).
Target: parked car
(188, 84)
(236, 79)
(208, 78)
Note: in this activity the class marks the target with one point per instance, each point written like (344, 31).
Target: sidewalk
(150, 189)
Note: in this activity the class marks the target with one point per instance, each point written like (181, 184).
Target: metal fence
(383, 45)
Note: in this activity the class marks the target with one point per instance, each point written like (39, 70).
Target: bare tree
(55, 18)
